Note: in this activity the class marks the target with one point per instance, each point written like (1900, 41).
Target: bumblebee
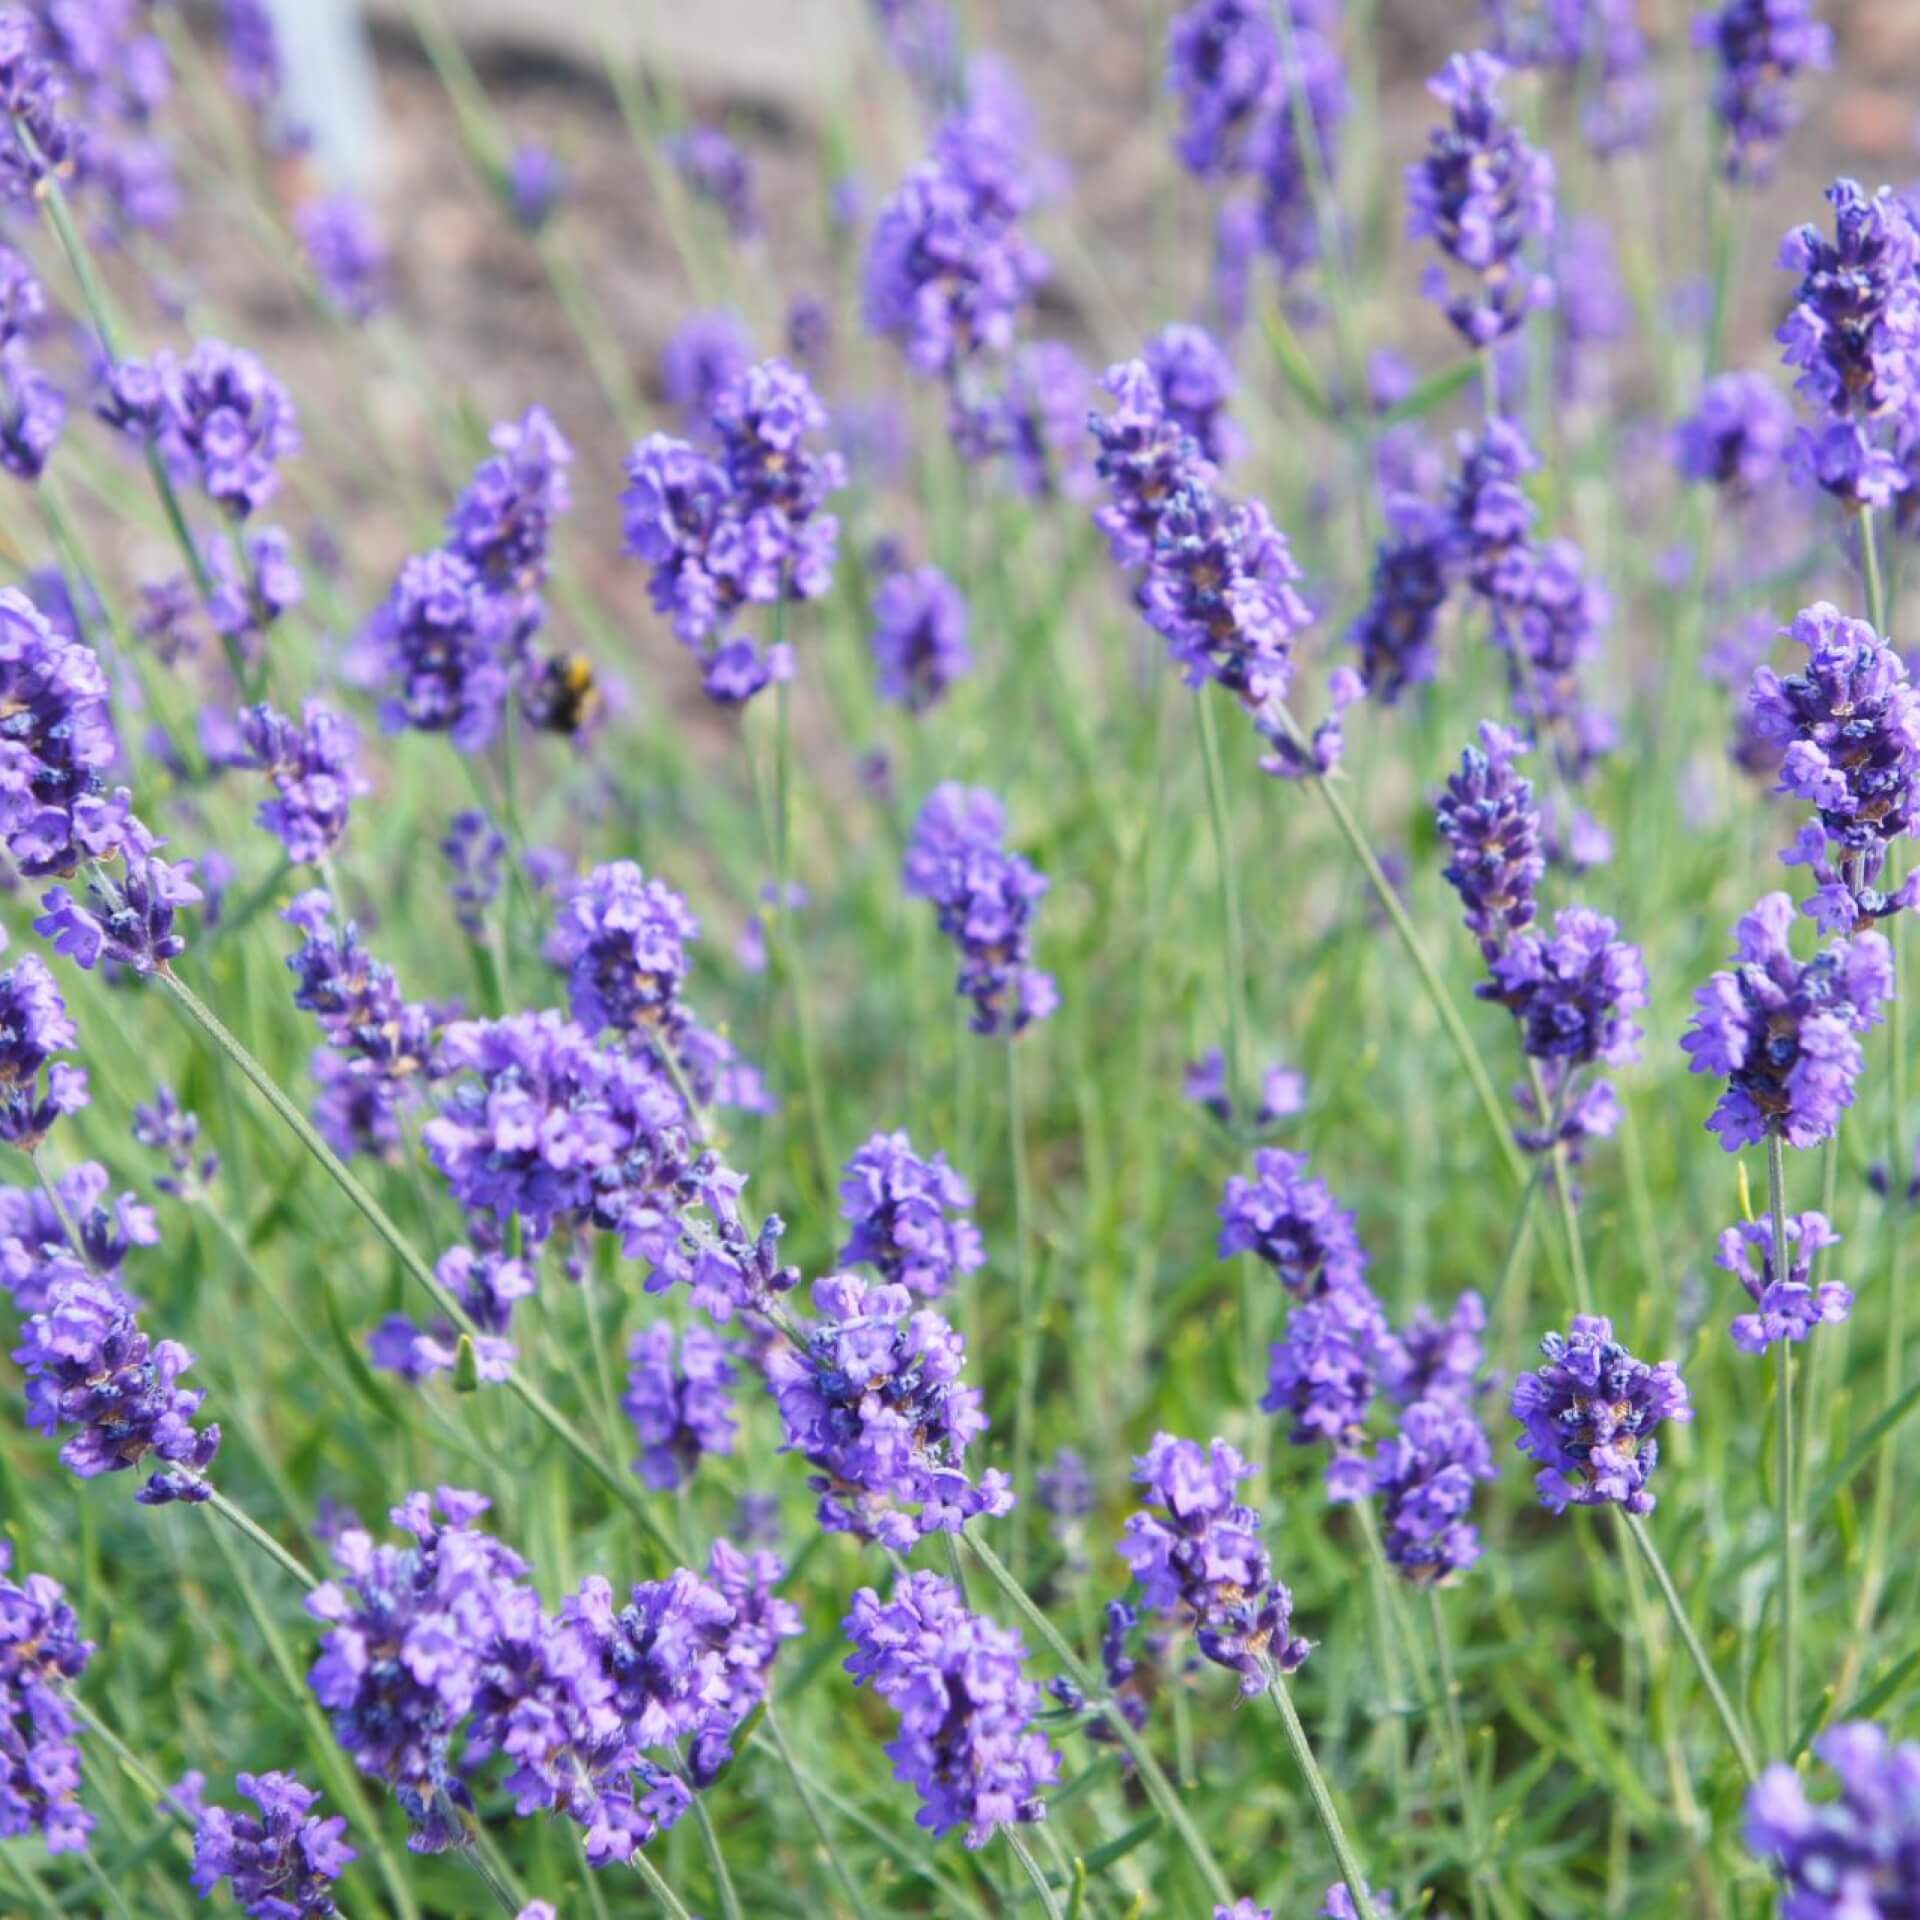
(564, 696)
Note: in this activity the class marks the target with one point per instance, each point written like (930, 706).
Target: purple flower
(1738, 437)
(1424, 1477)
(948, 269)
(1760, 45)
(283, 1862)
(1572, 993)
(312, 769)
(1220, 591)
(41, 1654)
(441, 636)
(911, 1217)
(410, 1635)
(1147, 460)
(32, 412)
(681, 1409)
(1854, 333)
(502, 525)
(489, 1286)
(1197, 1554)
(1587, 1417)
(1848, 731)
(1856, 1857)
(129, 918)
(1223, 66)
(716, 171)
(1490, 823)
(164, 1126)
(1596, 45)
(544, 1124)
(35, 1251)
(1790, 1309)
(1038, 421)
(30, 95)
(919, 637)
(967, 1743)
(1338, 1905)
(1288, 223)
(346, 253)
(1291, 1220)
(1783, 1033)
(707, 353)
(1481, 193)
(985, 898)
(1411, 575)
(89, 1366)
(1323, 1377)
(218, 418)
(1246, 1909)
(536, 183)
(872, 1398)
(254, 70)
(1283, 1090)
(1196, 382)
(621, 939)
(475, 849)
(34, 1027)
(57, 744)
(251, 590)
(23, 300)
(1431, 1359)
(1064, 1489)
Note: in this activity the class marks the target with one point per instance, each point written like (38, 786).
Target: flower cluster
(948, 268)
(1491, 826)
(1573, 993)
(89, 1366)
(716, 171)
(919, 636)
(35, 1253)
(681, 1407)
(313, 772)
(1587, 1417)
(41, 1653)
(1760, 46)
(1291, 1220)
(1785, 1033)
(1858, 1853)
(871, 1396)
(1848, 733)
(1395, 631)
(34, 1027)
(1594, 45)
(1424, 1477)
(440, 637)
(1146, 460)
(488, 1286)
(281, 1862)
(621, 939)
(707, 353)
(1481, 192)
(967, 1743)
(129, 918)
(475, 849)
(502, 524)
(1322, 1377)
(380, 1044)
(1197, 1553)
(985, 898)
(1431, 1359)
(910, 1217)
(1789, 1308)
(1283, 1090)
(30, 95)
(346, 253)
(32, 413)
(1854, 333)
(1738, 436)
(1196, 380)
(738, 527)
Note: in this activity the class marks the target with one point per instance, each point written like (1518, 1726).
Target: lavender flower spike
(1424, 1477)
(1489, 821)
(1785, 1034)
(911, 1218)
(1291, 1221)
(681, 1410)
(282, 1862)
(1588, 1417)
(1197, 1554)
(1760, 45)
(41, 1654)
(967, 1742)
(1856, 1857)
(1790, 1308)
(35, 1026)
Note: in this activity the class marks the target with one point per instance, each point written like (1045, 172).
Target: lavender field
(979, 993)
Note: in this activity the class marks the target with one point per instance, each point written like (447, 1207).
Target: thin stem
(1034, 1872)
(1457, 1745)
(1636, 1525)
(1026, 1307)
(659, 1888)
(841, 1871)
(1449, 1016)
(484, 1873)
(1870, 566)
(722, 1879)
(1159, 1788)
(1233, 936)
(1789, 1532)
(409, 1257)
(1329, 1814)
(256, 1535)
(1563, 1190)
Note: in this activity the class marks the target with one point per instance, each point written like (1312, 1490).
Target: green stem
(722, 1879)
(256, 1535)
(1789, 1531)
(1457, 1745)
(1026, 1304)
(1233, 935)
(659, 1888)
(1563, 1189)
(841, 1871)
(1317, 1791)
(1160, 1789)
(1449, 1016)
(1636, 1525)
(1034, 1872)
(416, 1268)
(484, 1873)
